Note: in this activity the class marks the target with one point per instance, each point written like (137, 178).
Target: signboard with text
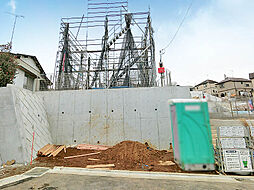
(237, 160)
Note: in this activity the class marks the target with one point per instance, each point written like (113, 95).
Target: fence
(238, 107)
(227, 108)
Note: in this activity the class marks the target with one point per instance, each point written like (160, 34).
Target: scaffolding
(109, 47)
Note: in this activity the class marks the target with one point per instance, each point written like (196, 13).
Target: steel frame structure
(124, 56)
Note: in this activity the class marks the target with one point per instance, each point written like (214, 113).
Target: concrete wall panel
(24, 114)
(10, 139)
(111, 116)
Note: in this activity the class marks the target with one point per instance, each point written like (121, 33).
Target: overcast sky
(216, 38)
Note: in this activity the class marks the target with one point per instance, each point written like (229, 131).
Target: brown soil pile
(137, 156)
(127, 155)
(130, 151)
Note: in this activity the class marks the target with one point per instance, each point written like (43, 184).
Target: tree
(8, 68)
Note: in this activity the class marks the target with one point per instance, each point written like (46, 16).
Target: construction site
(110, 107)
(122, 53)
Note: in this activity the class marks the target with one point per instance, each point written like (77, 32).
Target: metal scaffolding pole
(109, 47)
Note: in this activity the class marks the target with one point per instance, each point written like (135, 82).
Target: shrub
(8, 68)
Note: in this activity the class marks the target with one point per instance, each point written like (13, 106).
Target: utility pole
(15, 21)
(161, 69)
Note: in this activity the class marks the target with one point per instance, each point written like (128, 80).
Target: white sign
(232, 143)
(237, 160)
(232, 131)
(192, 108)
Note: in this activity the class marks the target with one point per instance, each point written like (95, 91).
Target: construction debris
(8, 163)
(93, 159)
(59, 149)
(127, 155)
(101, 166)
(51, 150)
(82, 155)
(166, 163)
(92, 147)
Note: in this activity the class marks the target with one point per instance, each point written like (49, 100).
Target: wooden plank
(43, 149)
(53, 148)
(93, 159)
(92, 147)
(47, 150)
(166, 163)
(51, 153)
(77, 156)
(101, 166)
(57, 151)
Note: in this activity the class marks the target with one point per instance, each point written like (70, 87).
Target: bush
(8, 68)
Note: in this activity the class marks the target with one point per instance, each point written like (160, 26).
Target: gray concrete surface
(22, 113)
(11, 145)
(75, 182)
(109, 116)
(83, 116)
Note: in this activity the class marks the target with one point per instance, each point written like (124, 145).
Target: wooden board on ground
(101, 166)
(57, 151)
(90, 154)
(93, 159)
(47, 150)
(92, 147)
(40, 152)
(166, 163)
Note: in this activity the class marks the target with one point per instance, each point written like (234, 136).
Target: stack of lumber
(92, 147)
(51, 150)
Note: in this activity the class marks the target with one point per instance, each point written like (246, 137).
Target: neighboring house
(207, 86)
(251, 76)
(30, 75)
(234, 87)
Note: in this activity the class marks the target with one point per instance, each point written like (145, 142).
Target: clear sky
(217, 37)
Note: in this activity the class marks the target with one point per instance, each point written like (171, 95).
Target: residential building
(207, 86)
(234, 87)
(30, 74)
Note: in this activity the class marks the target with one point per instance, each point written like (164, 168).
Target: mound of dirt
(127, 155)
(132, 152)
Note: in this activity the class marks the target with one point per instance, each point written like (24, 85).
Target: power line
(180, 25)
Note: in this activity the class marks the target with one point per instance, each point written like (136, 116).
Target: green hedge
(8, 68)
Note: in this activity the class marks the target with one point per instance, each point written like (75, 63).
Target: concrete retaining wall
(22, 113)
(111, 116)
(11, 146)
(85, 116)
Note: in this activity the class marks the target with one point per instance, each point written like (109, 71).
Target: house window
(247, 85)
(241, 82)
(222, 86)
(28, 82)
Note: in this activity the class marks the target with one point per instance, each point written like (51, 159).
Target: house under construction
(106, 48)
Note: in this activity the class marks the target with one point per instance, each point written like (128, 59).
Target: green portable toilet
(191, 131)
